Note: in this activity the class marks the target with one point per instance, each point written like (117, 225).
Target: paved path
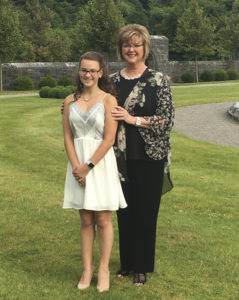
(208, 122)
(19, 95)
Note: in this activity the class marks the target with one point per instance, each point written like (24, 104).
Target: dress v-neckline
(92, 106)
(100, 101)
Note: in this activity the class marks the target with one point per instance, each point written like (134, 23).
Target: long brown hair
(104, 82)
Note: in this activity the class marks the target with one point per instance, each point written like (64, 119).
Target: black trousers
(137, 223)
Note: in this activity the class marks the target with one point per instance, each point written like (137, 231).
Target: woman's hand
(119, 113)
(62, 107)
(80, 172)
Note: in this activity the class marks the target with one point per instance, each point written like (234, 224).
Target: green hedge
(207, 75)
(220, 75)
(232, 74)
(59, 92)
(64, 81)
(188, 77)
(47, 81)
(23, 83)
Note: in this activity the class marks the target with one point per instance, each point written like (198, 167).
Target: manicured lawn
(197, 253)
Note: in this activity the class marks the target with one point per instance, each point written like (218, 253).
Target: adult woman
(92, 184)
(145, 112)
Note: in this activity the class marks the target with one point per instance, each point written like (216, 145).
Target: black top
(135, 144)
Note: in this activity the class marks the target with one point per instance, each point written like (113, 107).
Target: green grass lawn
(197, 249)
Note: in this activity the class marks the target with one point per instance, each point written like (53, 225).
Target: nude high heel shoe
(103, 284)
(83, 285)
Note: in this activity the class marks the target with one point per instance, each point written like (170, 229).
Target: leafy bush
(23, 83)
(64, 81)
(59, 92)
(44, 92)
(64, 92)
(47, 81)
(220, 75)
(207, 75)
(232, 74)
(188, 77)
(53, 92)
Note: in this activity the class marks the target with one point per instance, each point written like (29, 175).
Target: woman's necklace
(135, 74)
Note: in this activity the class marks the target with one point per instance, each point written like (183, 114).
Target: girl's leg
(87, 236)
(103, 220)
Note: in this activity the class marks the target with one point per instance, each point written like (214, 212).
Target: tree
(133, 12)
(42, 43)
(10, 37)
(231, 31)
(97, 28)
(194, 33)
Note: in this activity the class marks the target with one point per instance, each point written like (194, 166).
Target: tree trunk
(196, 68)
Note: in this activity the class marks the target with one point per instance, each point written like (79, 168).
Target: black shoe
(122, 273)
(139, 278)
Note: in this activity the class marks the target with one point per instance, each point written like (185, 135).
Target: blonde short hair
(127, 32)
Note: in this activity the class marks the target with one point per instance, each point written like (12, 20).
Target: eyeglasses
(134, 46)
(92, 72)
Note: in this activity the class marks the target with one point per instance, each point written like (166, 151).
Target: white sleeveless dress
(103, 189)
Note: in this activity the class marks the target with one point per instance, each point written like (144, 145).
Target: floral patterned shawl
(152, 86)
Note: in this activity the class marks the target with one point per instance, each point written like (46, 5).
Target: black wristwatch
(90, 164)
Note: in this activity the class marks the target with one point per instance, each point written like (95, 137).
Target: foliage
(59, 92)
(10, 36)
(207, 75)
(61, 30)
(188, 77)
(64, 80)
(97, 28)
(133, 12)
(232, 74)
(194, 33)
(44, 91)
(220, 75)
(231, 30)
(42, 43)
(47, 81)
(23, 83)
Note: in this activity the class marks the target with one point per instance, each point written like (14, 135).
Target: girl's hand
(80, 172)
(119, 113)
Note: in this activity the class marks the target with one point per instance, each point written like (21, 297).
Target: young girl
(92, 184)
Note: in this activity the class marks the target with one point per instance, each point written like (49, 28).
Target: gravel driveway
(208, 122)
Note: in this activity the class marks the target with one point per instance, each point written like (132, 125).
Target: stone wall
(175, 68)
(37, 71)
(158, 60)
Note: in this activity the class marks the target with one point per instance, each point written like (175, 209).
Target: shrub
(220, 75)
(188, 77)
(47, 81)
(207, 75)
(23, 83)
(44, 92)
(64, 81)
(53, 92)
(64, 92)
(59, 92)
(232, 74)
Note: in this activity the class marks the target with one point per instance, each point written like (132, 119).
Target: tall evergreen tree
(194, 33)
(97, 28)
(10, 37)
(231, 32)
